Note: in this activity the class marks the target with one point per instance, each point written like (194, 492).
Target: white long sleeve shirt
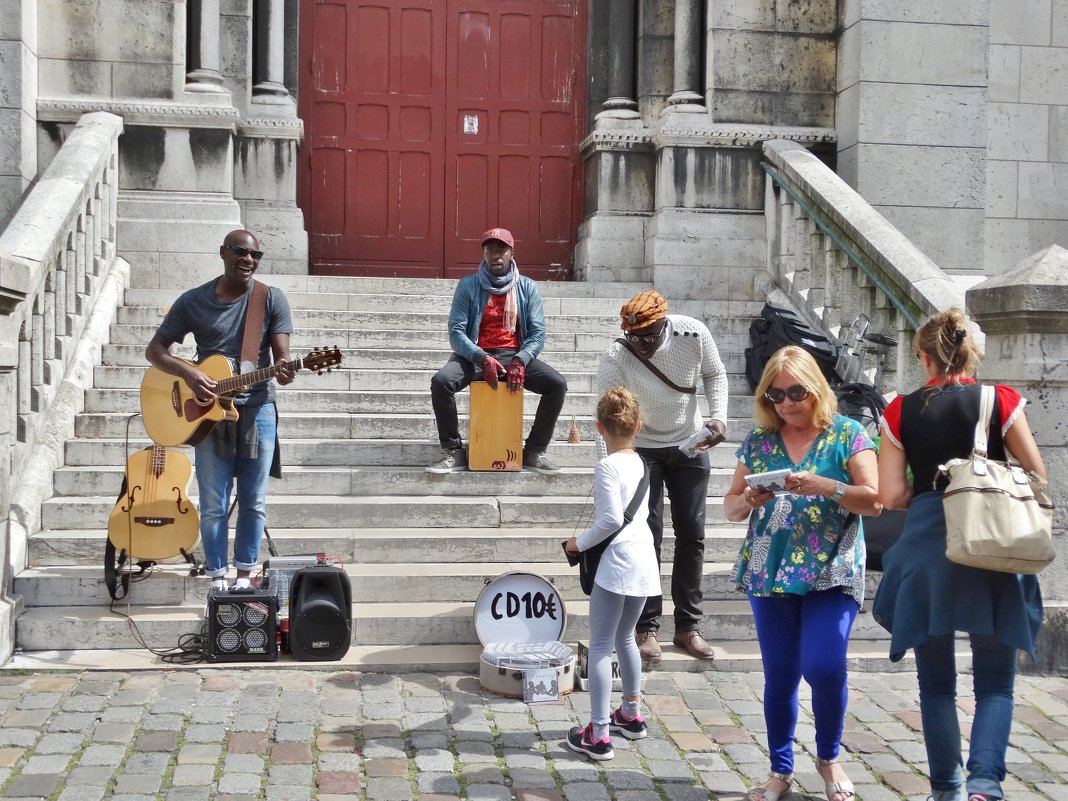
(628, 566)
(688, 357)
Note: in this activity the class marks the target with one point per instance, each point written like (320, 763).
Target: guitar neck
(242, 381)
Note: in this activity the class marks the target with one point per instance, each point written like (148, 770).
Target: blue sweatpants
(804, 636)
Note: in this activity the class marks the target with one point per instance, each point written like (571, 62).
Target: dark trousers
(458, 373)
(686, 481)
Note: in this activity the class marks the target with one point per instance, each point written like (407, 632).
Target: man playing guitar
(246, 450)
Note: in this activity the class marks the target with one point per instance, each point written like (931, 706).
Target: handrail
(846, 247)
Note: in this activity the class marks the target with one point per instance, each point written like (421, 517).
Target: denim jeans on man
(993, 677)
(215, 478)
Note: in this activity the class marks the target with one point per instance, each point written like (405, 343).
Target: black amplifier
(242, 625)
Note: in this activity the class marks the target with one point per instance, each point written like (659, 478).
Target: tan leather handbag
(998, 515)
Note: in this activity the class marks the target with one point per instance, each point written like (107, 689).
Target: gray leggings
(612, 620)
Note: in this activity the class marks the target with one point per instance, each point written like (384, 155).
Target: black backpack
(863, 403)
(779, 326)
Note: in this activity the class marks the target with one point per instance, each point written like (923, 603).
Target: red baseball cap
(500, 234)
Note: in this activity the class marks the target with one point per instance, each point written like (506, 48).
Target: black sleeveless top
(938, 424)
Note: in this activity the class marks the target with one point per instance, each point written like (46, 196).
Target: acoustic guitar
(174, 416)
(154, 519)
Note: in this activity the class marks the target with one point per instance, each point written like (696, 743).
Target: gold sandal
(761, 793)
(843, 788)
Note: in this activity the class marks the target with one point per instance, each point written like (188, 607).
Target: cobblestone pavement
(286, 735)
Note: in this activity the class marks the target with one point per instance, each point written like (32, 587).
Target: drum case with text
(513, 643)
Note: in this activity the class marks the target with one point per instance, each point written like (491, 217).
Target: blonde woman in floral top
(802, 562)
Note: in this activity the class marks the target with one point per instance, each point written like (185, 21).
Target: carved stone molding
(617, 139)
(161, 114)
(712, 135)
(272, 128)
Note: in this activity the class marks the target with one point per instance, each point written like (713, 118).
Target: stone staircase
(418, 548)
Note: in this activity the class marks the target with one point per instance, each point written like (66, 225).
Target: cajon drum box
(495, 436)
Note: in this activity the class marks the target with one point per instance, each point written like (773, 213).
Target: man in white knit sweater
(665, 360)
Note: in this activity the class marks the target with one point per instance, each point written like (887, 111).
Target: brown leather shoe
(693, 643)
(648, 647)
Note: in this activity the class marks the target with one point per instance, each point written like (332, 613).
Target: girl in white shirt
(626, 576)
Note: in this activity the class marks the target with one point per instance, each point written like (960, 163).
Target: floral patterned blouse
(800, 543)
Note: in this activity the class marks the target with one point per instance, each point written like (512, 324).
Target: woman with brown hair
(924, 599)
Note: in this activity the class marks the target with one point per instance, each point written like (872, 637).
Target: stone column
(1024, 314)
(203, 52)
(268, 41)
(621, 104)
(687, 77)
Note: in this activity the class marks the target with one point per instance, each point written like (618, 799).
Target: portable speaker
(242, 626)
(320, 614)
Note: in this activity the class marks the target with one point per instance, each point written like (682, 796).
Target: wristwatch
(839, 491)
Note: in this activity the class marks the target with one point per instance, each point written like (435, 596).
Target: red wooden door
(429, 121)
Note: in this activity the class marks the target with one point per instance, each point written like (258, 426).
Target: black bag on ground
(863, 403)
(591, 557)
(779, 326)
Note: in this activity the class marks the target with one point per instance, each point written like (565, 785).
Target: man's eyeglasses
(241, 252)
(796, 393)
(645, 339)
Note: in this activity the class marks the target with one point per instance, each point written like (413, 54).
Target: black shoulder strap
(654, 370)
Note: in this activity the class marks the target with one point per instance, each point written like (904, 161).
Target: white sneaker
(243, 584)
(219, 584)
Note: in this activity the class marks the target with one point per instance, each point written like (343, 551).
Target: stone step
(369, 378)
(417, 427)
(529, 544)
(739, 656)
(299, 479)
(435, 317)
(303, 396)
(360, 453)
(732, 336)
(322, 288)
(386, 358)
(398, 583)
(387, 511)
(378, 623)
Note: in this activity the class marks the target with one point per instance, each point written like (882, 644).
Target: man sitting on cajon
(496, 331)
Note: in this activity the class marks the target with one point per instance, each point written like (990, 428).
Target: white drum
(520, 620)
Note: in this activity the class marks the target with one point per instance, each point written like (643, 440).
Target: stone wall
(911, 119)
(1027, 150)
(18, 95)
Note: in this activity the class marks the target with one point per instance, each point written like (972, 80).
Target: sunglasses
(796, 393)
(241, 252)
(645, 339)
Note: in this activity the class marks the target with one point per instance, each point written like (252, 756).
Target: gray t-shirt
(220, 328)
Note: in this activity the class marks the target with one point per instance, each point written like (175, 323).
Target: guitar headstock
(322, 359)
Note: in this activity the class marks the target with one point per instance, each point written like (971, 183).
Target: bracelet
(839, 492)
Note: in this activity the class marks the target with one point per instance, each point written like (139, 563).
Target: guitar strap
(655, 371)
(257, 305)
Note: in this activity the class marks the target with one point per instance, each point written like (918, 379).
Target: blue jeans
(993, 677)
(804, 635)
(215, 478)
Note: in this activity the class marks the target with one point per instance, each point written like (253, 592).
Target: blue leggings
(804, 635)
(612, 619)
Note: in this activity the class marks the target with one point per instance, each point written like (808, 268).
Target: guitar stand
(195, 568)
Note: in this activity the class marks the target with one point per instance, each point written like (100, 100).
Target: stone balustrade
(835, 257)
(57, 270)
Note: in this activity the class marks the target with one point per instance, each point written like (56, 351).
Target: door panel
(428, 121)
